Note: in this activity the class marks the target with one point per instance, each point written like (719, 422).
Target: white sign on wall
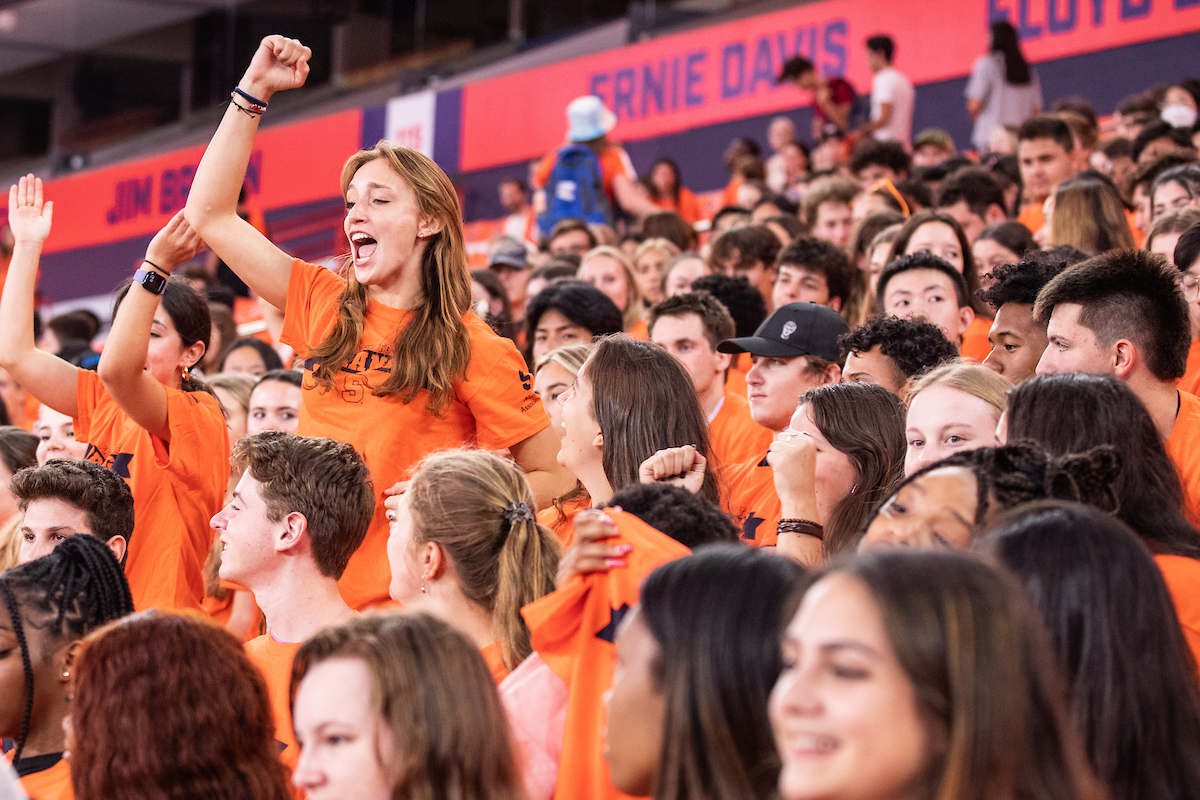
(409, 121)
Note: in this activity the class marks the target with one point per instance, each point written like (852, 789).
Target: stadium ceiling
(34, 32)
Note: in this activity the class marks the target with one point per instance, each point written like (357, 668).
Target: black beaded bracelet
(804, 526)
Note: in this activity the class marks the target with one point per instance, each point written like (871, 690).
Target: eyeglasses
(1191, 285)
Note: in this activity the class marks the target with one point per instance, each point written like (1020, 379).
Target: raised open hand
(28, 216)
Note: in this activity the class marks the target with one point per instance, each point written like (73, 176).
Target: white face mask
(1178, 115)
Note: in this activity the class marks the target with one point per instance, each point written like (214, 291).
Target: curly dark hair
(690, 519)
(824, 257)
(104, 498)
(914, 345)
(1021, 282)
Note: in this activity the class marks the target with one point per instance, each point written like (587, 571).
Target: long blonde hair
(433, 349)
(479, 508)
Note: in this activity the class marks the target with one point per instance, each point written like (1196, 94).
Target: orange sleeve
(1183, 447)
(573, 630)
(689, 207)
(311, 305)
(89, 394)
(198, 441)
(541, 173)
(499, 392)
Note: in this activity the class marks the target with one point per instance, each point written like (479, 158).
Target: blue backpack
(575, 189)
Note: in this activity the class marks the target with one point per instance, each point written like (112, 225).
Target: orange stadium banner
(291, 165)
(727, 71)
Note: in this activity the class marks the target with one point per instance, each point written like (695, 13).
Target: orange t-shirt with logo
(1182, 576)
(574, 630)
(733, 435)
(1190, 381)
(1183, 446)
(753, 502)
(274, 661)
(177, 486)
(492, 405)
(52, 783)
(975, 340)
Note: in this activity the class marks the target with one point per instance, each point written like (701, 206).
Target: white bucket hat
(588, 119)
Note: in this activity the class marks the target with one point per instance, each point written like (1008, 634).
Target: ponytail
(479, 509)
(529, 555)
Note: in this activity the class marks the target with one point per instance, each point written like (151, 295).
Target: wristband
(254, 101)
(152, 282)
(252, 111)
(157, 267)
(804, 526)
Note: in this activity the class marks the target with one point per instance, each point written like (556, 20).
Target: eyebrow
(847, 644)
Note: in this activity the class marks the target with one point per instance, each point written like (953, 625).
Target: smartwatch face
(152, 281)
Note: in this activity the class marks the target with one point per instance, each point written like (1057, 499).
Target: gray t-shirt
(1003, 103)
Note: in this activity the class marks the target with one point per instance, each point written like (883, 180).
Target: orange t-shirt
(1190, 381)
(52, 783)
(177, 487)
(975, 340)
(1182, 576)
(1183, 446)
(640, 331)
(735, 379)
(274, 661)
(561, 523)
(574, 630)
(753, 502)
(688, 207)
(733, 435)
(613, 159)
(729, 194)
(493, 405)
(493, 654)
(1032, 217)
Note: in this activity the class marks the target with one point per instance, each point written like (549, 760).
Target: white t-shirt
(890, 86)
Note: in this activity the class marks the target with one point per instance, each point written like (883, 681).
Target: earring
(424, 589)
(186, 373)
(66, 674)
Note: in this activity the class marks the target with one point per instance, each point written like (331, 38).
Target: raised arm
(50, 379)
(211, 210)
(122, 364)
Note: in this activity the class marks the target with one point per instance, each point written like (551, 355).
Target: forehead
(49, 512)
(601, 264)
(377, 174)
(1015, 316)
(275, 392)
(669, 328)
(933, 231)
(944, 405)
(553, 319)
(919, 280)
(800, 271)
(947, 489)
(870, 360)
(336, 690)
(831, 208)
(839, 607)
(1032, 148)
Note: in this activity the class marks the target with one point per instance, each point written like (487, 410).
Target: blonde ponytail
(479, 508)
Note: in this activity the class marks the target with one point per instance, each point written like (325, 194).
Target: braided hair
(72, 591)
(1022, 472)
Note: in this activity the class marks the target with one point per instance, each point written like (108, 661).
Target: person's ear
(118, 546)
(433, 561)
(835, 303)
(429, 226)
(994, 215)
(724, 360)
(1124, 356)
(598, 442)
(192, 355)
(966, 316)
(833, 374)
(295, 525)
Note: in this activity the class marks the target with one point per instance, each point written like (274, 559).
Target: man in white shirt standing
(892, 95)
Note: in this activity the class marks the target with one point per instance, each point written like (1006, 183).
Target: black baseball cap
(797, 329)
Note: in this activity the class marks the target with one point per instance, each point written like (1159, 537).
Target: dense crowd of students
(881, 481)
